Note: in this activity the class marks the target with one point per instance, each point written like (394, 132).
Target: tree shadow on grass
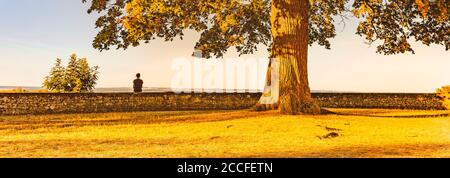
(386, 112)
(108, 119)
(404, 116)
(366, 151)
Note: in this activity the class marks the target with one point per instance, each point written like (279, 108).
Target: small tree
(87, 75)
(72, 75)
(77, 77)
(55, 82)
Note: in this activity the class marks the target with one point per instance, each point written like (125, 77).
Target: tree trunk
(289, 21)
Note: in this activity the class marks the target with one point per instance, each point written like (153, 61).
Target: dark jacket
(137, 85)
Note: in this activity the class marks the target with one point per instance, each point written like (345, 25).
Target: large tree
(286, 26)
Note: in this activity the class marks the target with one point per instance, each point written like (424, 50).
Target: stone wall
(51, 103)
(417, 101)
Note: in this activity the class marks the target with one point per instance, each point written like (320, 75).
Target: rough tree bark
(289, 21)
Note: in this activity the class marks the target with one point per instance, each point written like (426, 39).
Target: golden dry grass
(227, 134)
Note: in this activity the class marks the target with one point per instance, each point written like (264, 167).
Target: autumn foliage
(444, 94)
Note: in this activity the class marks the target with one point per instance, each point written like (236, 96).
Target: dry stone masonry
(52, 103)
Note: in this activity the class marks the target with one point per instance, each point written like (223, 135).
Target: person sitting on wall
(137, 84)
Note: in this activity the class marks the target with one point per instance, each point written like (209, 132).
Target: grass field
(355, 133)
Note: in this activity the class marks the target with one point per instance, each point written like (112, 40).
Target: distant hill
(154, 89)
(162, 89)
(22, 87)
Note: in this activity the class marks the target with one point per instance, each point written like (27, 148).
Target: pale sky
(34, 33)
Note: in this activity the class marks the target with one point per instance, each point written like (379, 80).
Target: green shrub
(77, 77)
(444, 94)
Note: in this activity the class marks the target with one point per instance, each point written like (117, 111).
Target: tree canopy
(246, 23)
